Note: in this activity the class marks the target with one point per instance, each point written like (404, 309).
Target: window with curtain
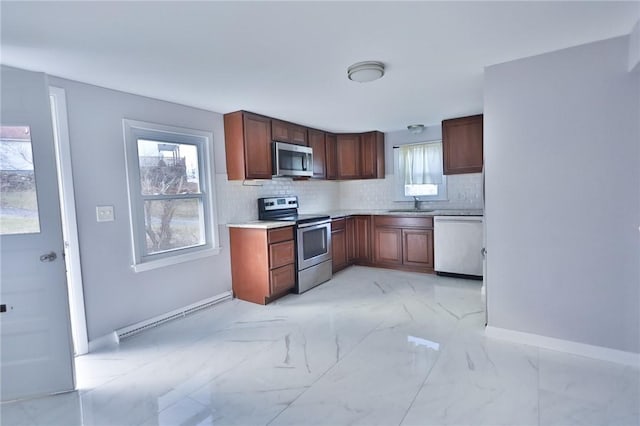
(419, 172)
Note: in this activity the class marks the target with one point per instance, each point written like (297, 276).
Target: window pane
(168, 168)
(18, 201)
(173, 224)
(421, 189)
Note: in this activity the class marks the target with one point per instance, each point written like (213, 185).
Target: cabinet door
(281, 254)
(298, 135)
(280, 131)
(387, 246)
(331, 156)
(462, 145)
(257, 149)
(362, 228)
(282, 279)
(417, 247)
(317, 143)
(348, 153)
(351, 239)
(339, 249)
(372, 155)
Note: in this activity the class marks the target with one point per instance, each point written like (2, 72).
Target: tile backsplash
(464, 192)
(236, 200)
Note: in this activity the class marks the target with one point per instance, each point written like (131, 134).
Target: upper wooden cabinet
(462, 145)
(318, 144)
(360, 156)
(348, 156)
(331, 155)
(247, 140)
(372, 155)
(283, 131)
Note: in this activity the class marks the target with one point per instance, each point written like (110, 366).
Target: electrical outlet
(104, 213)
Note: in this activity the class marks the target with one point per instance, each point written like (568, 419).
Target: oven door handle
(308, 225)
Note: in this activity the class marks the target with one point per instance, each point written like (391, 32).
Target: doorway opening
(77, 315)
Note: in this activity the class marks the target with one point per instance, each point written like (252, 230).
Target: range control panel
(277, 203)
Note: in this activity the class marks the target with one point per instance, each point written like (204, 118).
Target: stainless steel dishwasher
(458, 245)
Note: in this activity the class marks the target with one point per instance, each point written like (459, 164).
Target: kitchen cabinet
(372, 155)
(387, 243)
(248, 139)
(462, 145)
(339, 244)
(351, 239)
(248, 146)
(318, 143)
(362, 240)
(348, 156)
(331, 156)
(262, 263)
(403, 242)
(283, 131)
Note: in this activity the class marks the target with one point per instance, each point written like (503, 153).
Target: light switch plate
(104, 213)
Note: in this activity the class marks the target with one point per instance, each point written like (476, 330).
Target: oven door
(314, 243)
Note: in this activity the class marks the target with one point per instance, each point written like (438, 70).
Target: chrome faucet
(416, 203)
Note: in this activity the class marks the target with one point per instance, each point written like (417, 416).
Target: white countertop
(261, 224)
(443, 212)
(265, 224)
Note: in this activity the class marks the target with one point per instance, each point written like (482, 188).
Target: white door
(36, 351)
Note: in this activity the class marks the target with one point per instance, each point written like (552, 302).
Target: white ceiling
(289, 59)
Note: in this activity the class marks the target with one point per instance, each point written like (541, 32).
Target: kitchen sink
(410, 211)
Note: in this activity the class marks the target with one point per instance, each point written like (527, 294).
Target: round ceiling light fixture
(366, 71)
(416, 129)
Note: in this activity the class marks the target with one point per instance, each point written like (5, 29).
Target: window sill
(174, 260)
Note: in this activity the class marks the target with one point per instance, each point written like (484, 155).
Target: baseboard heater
(169, 316)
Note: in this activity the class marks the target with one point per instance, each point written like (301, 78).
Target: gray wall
(115, 296)
(562, 164)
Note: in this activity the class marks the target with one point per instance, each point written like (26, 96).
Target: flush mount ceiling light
(416, 128)
(363, 72)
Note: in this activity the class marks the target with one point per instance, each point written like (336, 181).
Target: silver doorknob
(49, 257)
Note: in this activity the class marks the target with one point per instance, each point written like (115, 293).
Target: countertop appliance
(292, 160)
(313, 239)
(458, 245)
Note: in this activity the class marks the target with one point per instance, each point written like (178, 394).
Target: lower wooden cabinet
(417, 248)
(403, 242)
(339, 244)
(262, 263)
(387, 244)
(362, 239)
(351, 241)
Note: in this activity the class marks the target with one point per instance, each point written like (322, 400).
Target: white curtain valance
(421, 163)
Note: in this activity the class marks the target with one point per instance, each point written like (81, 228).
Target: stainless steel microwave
(292, 160)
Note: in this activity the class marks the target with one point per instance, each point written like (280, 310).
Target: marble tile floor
(370, 347)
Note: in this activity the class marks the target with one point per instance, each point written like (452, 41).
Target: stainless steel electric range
(313, 239)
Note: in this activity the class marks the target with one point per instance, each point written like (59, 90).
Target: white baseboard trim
(114, 337)
(560, 345)
(108, 340)
(168, 316)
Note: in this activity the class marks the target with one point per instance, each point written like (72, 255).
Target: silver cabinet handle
(49, 257)
(483, 251)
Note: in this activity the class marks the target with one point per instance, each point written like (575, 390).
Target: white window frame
(399, 181)
(135, 130)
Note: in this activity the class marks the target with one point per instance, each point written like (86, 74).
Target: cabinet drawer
(282, 279)
(404, 221)
(281, 254)
(337, 224)
(280, 234)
